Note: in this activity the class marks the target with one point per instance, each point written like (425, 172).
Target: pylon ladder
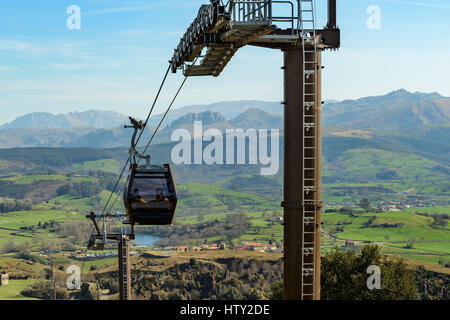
(307, 32)
(124, 267)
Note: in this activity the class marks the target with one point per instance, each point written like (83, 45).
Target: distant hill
(428, 141)
(355, 156)
(105, 138)
(207, 118)
(394, 111)
(120, 137)
(229, 110)
(399, 111)
(38, 138)
(258, 119)
(86, 119)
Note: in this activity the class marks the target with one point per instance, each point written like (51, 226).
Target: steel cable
(139, 137)
(154, 133)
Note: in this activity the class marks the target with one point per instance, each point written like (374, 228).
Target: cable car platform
(219, 31)
(218, 55)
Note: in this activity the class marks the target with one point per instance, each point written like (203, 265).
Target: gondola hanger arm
(137, 126)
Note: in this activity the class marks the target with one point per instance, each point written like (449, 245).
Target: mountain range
(229, 110)
(87, 119)
(396, 111)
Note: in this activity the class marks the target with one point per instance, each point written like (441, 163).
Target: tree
(276, 290)
(439, 221)
(410, 244)
(10, 246)
(365, 204)
(344, 276)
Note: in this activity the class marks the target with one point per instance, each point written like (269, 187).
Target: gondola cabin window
(151, 196)
(150, 193)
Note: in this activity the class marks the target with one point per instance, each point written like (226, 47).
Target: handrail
(292, 18)
(222, 16)
(253, 11)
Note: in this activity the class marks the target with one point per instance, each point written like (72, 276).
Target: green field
(86, 266)
(429, 244)
(85, 205)
(106, 165)
(411, 254)
(429, 210)
(29, 179)
(368, 162)
(34, 178)
(13, 290)
(12, 222)
(414, 227)
(204, 202)
(217, 199)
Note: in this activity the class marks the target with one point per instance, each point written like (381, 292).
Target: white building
(4, 279)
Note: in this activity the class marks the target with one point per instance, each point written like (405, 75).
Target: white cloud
(154, 5)
(66, 49)
(120, 9)
(7, 68)
(23, 46)
(420, 4)
(134, 33)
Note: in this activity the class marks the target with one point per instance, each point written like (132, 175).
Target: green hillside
(48, 192)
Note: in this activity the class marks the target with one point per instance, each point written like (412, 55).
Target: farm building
(4, 279)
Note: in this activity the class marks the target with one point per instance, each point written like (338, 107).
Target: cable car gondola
(150, 195)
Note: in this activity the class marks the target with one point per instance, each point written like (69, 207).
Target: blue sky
(118, 57)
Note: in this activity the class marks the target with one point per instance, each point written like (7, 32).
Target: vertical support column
(293, 172)
(319, 173)
(124, 268)
(294, 135)
(332, 21)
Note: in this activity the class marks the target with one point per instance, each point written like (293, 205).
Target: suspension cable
(167, 111)
(154, 103)
(139, 137)
(165, 114)
(154, 133)
(137, 141)
(128, 160)
(115, 186)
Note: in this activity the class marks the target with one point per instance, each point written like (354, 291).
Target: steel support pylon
(124, 268)
(302, 174)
